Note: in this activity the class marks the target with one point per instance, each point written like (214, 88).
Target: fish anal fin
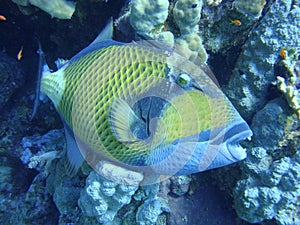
(74, 156)
(150, 179)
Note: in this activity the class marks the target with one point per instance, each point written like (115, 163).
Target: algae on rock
(270, 184)
(254, 70)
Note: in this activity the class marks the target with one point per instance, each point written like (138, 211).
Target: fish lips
(234, 134)
(213, 149)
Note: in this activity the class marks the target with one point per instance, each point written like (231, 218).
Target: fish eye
(184, 80)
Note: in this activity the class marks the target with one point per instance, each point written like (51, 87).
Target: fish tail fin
(42, 69)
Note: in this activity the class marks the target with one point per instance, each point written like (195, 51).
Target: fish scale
(193, 123)
(95, 84)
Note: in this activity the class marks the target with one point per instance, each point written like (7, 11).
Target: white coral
(60, 9)
(213, 2)
(43, 160)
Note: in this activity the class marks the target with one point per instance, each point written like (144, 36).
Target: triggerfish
(143, 107)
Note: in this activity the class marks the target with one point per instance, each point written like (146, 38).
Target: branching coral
(288, 83)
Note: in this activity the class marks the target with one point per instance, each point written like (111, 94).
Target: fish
(236, 22)
(282, 53)
(143, 107)
(20, 53)
(41, 66)
(2, 17)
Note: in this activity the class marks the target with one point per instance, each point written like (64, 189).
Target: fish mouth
(234, 134)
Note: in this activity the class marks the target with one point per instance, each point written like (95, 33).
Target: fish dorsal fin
(154, 45)
(121, 119)
(106, 33)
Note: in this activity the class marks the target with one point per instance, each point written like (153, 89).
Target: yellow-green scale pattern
(193, 112)
(94, 81)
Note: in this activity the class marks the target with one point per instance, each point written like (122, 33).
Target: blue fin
(40, 72)
(104, 39)
(152, 178)
(74, 157)
(106, 33)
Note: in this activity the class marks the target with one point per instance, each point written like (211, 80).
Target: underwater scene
(159, 112)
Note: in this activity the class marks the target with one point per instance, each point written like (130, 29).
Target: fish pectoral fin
(121, 118)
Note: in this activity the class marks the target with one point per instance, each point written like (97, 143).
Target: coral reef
(148, 17)
(60, 9)
(39, 203)
(250, 9)
(254, 70)
(270, 187)
(185, 14)
(102, 198)
(48, 150)
(149, 211)
(213, 2)
(268, 134)
(21, 2)
(247, 36)
(87, 198)
(180, 185)
(11, 78)
(288, 79)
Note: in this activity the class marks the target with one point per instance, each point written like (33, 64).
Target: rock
(11, 78)
(254, 71)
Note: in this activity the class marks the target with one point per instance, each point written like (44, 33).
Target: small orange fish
(2, 18)
(282, 53)
(236, 22)
(19, 56)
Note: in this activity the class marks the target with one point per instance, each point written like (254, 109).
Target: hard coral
(60, 9)
(270, 189)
